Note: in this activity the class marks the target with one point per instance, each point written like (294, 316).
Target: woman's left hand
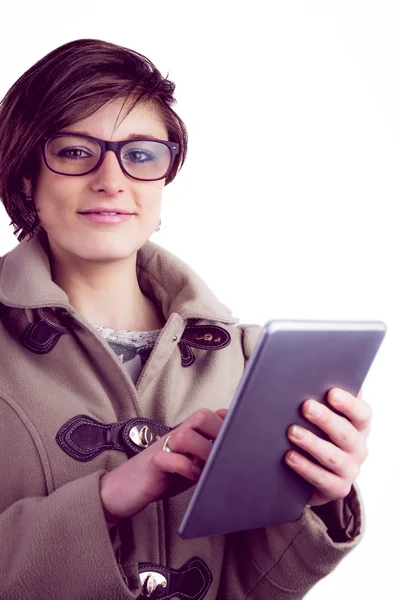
(342, 456)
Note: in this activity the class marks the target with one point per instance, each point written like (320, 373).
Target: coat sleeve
(284, 562)
(53, 545)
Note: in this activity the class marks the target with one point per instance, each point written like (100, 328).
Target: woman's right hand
(154, 474)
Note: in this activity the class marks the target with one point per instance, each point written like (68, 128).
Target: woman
(101, 357)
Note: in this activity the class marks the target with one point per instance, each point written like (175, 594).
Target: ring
(165, 447)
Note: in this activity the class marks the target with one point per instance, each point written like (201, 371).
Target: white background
(288, 202)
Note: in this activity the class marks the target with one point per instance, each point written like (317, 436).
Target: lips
(105, 212)
(106, 219)
(97, 210)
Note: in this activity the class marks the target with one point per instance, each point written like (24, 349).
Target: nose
(109, 176)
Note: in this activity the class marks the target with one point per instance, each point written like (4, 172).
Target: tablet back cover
(246, 483)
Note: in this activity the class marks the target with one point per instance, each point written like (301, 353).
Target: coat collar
(25, 282)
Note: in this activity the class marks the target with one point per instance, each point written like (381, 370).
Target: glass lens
(76, 155)
(72, 154)
(146, 159)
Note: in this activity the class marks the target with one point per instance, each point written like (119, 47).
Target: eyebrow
(132, 136)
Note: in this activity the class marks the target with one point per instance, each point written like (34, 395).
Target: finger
(205, 422)
(197, 462)
(340, 430)
(326, 453)
(176, 464)
(222, 412)
(328, 484)
(185, 440)
(355, 409)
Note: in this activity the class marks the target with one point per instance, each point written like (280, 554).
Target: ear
(28, 185)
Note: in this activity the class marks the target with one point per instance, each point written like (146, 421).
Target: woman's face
(59, 198)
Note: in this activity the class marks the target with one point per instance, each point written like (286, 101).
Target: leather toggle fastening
(83, 437)
(205, 337)
(191, 582)
(42, 335)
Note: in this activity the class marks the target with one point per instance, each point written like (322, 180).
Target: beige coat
(54, 542)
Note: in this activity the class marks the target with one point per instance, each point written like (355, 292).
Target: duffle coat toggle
(43, 334)
(205, 337)
(190, 582)
(83, 438)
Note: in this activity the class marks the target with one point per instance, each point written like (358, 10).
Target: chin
(106, 254)
(95, 250)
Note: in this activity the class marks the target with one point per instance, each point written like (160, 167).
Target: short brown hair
(67, 85)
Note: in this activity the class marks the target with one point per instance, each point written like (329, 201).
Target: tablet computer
(246, 483)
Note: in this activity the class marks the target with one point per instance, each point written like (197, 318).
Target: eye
(135, 156)
(73, 153)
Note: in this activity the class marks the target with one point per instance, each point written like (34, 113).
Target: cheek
(148, 199)
(55, 201)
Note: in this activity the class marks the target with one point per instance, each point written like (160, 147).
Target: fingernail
(296, 433)
(339, 397)
(292, 457)
(314, 410)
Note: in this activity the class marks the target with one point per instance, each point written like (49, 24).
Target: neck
(107, 293)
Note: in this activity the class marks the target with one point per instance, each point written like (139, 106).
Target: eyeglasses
(77, 154)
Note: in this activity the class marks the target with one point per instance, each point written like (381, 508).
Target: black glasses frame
(115, 147)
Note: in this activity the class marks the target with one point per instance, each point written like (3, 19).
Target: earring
(159, 226)
(27, 198)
